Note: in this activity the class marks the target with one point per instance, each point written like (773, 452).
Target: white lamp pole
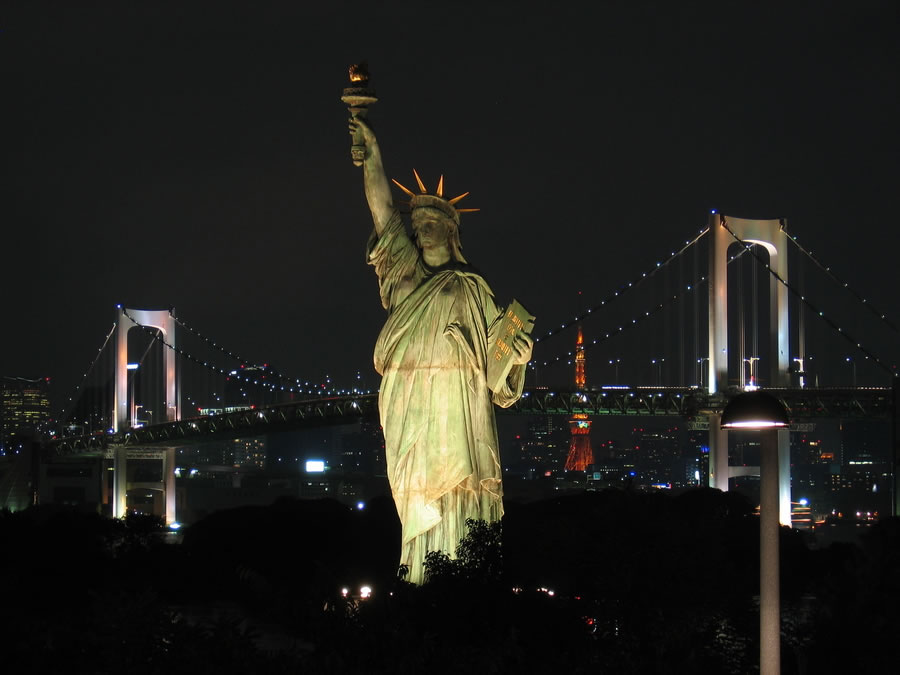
(764, 413)
(769, 568)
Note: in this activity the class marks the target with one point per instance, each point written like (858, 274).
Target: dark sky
(195, 155)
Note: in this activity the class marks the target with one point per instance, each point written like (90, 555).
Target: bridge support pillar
(120, 482)
(784, 477)
(169, 482)
(103, 503)
(719, 471)
(718, 454)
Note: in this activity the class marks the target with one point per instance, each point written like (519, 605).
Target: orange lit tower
(581, 455)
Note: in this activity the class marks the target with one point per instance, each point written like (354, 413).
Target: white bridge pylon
(126, 320)
(165, 322)
(771, 235)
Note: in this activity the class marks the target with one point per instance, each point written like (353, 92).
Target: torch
(358, 98)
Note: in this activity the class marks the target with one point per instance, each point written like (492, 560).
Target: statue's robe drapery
(435, 406)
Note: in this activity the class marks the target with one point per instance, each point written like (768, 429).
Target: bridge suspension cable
(213, 344)
(878, 313)
(222, 371)
(637, 320)
(634, 322)
(64, 413)
(849, 338)
(622, 289)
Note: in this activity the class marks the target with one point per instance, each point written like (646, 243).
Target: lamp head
(754, 410)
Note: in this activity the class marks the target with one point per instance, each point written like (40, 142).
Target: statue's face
(431, 232)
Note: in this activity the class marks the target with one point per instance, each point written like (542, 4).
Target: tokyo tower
(581, 455)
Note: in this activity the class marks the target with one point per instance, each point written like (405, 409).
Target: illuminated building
(24, 408)
(581, 455)
(842, 469)
(246, 455)
(362, 451)
(658, 458)
(862, 482)
(250, 453)
(812, 465)
(541, 451)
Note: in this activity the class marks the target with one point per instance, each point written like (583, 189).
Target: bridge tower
(771, 235)
(581, 455)
(165, 322)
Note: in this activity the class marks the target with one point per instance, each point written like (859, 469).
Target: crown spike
(440, 187)
(403, 187)
(456, 199)
(467, 210)
(419, 181)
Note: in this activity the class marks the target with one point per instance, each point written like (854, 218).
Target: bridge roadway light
(758, 411)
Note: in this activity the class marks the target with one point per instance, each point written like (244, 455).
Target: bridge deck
(686, 402)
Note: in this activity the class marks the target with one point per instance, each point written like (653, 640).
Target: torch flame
(359, 72)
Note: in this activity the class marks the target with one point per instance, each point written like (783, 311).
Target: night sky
(196, 155)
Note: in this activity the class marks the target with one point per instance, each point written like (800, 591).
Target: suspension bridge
(724, 312)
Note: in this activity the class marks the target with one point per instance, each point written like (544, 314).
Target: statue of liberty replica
(447, 353)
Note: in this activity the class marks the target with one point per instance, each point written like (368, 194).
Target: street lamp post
(615, 363)
(752, 361)
(658, 363)
(700, 368)
(800, 372)
(764, 413)
(132, 373)
(852, 363)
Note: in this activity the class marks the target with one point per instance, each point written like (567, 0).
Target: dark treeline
(641, 583)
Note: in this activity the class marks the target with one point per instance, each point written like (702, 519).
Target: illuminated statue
(435, 403)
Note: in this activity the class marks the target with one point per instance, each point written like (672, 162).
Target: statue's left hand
(359, 129)
(522, 347)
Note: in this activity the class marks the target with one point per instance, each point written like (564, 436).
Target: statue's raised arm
(378, 191)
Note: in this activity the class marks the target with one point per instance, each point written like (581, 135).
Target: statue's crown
(423, 200)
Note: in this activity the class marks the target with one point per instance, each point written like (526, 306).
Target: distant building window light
(315, 466)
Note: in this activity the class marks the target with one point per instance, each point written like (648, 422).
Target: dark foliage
(641, 583)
